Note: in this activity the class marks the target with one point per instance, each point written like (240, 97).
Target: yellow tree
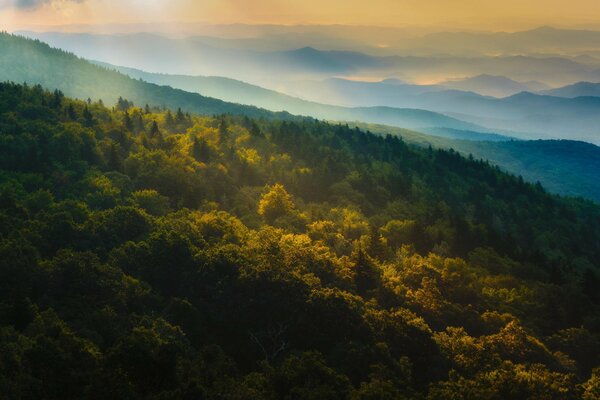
(276, 203)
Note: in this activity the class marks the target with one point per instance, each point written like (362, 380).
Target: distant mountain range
(197, 56)
(549, 162)
(576, 43)
(496, 86)
(526, 115)
(580, 89)
(540, 40)
(562, 166)
(25, 60)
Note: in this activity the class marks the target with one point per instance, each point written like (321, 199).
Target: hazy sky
(482, 14)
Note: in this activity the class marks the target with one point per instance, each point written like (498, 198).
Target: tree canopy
(144, 256)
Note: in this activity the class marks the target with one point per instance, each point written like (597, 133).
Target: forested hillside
(34, 62)
(565, 167)
(26, 60)
(152, 254)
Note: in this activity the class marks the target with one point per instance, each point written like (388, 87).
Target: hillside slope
(558, 167)
(527, 115)
(25, 60)
(237, 91)
(564, 167)
(156, 255)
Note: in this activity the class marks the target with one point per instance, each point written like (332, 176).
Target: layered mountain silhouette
(26, 60)
(580, 89)
(196, 56)
(553, 163)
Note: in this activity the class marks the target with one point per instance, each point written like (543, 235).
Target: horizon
(507, 16)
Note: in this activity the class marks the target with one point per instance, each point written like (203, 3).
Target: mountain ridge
(76, 77)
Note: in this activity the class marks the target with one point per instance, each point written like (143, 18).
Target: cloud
(31, 4)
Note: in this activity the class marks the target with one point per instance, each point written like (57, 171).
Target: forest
(146, 253)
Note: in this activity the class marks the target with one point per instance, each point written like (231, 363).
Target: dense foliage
(565, 167)
(150, 254)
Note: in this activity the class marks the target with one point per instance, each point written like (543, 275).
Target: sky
(499, 15)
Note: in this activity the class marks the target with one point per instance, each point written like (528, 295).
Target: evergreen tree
(115, 161)
(127, 122)
(71, 114)
(255, 130)
(367, 274)
(170, 122)
(180, 117)
(154, 131)
(57, 99)
(200, 150)
(376, 248)
(88, 117)
(123, 105)
(138, 122)
(223, 128)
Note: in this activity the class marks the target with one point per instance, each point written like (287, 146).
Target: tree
(367, 274)
(180, 117)
(275, 203)
(115, 161)
(255, 130)
(170, 122)
(155, 134)
(592, 386)
(123, 105)
(71, 113)
(201, 150)
(138, 122)
(396, 233)
(151, 201)
(223, 128)
(57, 99)
(88, 117)
(127, 122)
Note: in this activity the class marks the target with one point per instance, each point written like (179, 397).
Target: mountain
(34, 62)
(565, 167)
(544, 39)
(569, 168)
(525, 115)
(490, 85)
(192, 56)
(580, 89)
(74, 76)
(149, 254)
(369, 39)
(467, 135)
(354, 93)
(25, 60)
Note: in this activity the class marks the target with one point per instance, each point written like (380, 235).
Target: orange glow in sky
(477, 14)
